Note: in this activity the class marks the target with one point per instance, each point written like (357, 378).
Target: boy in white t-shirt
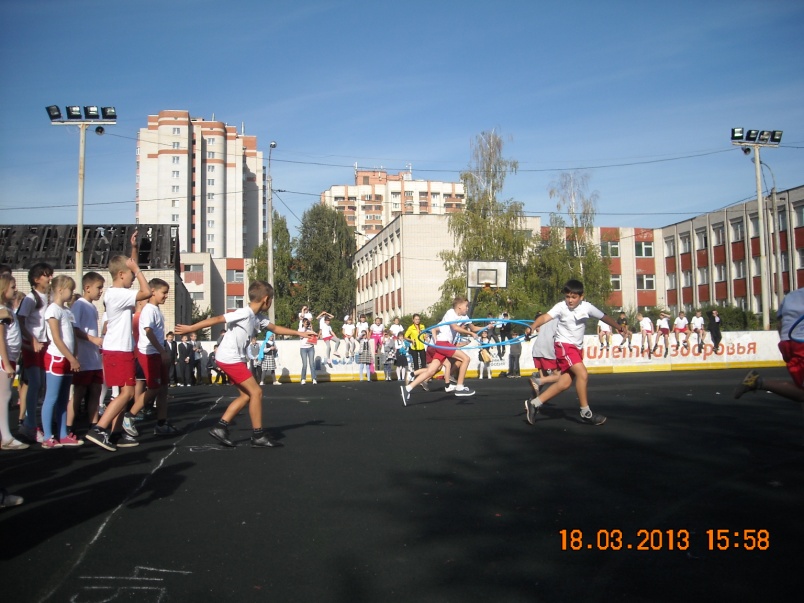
(646, 329)
(154, 361)
(697, 327)
(571, 315)
(231, 358)
(118, 343)
(88, 382)
(681, 325)
(444, 351)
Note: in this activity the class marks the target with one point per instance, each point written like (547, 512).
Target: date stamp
(662, 540)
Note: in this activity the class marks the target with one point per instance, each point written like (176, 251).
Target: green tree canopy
(283, 263)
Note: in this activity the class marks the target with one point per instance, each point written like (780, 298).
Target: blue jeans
(307, 356)
(36, 377)
(55, 404)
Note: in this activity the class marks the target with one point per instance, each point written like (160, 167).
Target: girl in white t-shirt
(60, 364)
(10, 346)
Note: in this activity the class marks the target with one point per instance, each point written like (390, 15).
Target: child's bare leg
(562, 382)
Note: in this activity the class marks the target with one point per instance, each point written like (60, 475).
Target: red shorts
(793, 354)
(31, 359)
(154, 371)
(237, 372)
(545, 364)
(567, 355)
(57, 365)
(88, 377)
(118, 368)
(664, 331)
(677, 330)
(437, 353)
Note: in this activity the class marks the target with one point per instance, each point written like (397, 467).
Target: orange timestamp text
(662, 540)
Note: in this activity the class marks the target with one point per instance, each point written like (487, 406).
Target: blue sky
(386, 84)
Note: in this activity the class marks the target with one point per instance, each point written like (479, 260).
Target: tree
(324, 251)
(571, 191)
(284, 305)
(488, 229)
(198, 315)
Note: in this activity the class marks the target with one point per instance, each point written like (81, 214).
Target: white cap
(346, 317)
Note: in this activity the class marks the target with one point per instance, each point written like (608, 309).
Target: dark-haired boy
(571, 315)
(88, 382)
(240, 326)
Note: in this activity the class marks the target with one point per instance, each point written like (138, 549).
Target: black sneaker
(221, 434)
(750, 383)
(405, 395)
(100, 437)
(593, 419)
(264, 442)
(464, 391)
(425, 385)
(126, 441)
(530, 411)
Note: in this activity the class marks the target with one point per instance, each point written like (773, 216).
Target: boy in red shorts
(118, 343)
(240, 326)
(154, 361)
(544, 358)
(571, 315)
(791, 345)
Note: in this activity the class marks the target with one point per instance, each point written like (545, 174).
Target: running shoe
(593, 419)
(405, 395)
(264, 442)
(464, 391)
(9, 500)
(51, 443)
(13, 444)
(451, 387)
(127, 441)
(71, 440)
(128, 425)
(166, 430)
(101, 438)
(750, 383)
(221, 434)
(530, 411)
(425, 385)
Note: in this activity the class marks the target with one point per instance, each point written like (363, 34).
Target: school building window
(210, 238)
(174, 174)
(671, 280)
(782, 220)
(234, 276)
(210, 169)
(175, 145)
(211, 182)
(210, 154)
(720, 273)
(210, 223)
(174, 188)
(210, 141)
(737, 230)
(176, 159)
(234, 302)
(754, 220)
(703, 276)
(669, 247)
(701, 239)
(646, 282)
(174, 217)
(210, 196)
(616, 282)
(738, 269)
(644, 249)
(687, 278)
(174, 203)
(684, 243)
(210, 210)
(718, 235)
(610, 249)
(177, 130)
(799, 212)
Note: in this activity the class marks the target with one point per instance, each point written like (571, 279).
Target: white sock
(586, 411)
(536, 402)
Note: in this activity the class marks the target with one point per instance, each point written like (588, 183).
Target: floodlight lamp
(737, 134)
(109, 113)
(764, 136)
(751, 135)
(746, 151)
(91, 112)
(776, 137)
(73, 112)
(53, 112)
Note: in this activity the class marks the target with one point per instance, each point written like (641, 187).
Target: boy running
(231, 358)
(571, 315)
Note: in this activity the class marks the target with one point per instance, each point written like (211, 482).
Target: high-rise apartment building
(377, 198)
(204, 177)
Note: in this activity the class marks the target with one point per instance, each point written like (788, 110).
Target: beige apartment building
(377, 198)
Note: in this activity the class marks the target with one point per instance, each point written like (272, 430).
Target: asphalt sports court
(447, 499)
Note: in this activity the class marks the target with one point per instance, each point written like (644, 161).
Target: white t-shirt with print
(150, 317)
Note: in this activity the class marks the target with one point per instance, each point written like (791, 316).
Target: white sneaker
(302, 382)
(13, 444)
(451, 387)
(277, 383)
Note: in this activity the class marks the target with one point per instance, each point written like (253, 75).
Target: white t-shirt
(680, 323)
(697, 322)
(150, 317)
(662, 324)
(120, 304)
(396, 329)
(646, 325)
(240, 326)
(789, 313)
(447, 333)
(33, 317)
(326, 331)
(377, 329)
(348, 330)
(544, 346)
(572, 323)
(86, 319)
(362, 326)
(66, 320)
(13, 338)
(604, 327)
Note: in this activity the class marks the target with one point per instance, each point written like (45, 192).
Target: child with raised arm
(60, 364)
(571, 315)
(118, 343)
(231, 358)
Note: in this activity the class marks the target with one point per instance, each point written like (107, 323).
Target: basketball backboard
(481, 274)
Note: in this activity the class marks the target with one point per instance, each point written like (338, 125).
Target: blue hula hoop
(792, 328)
(479, 346)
